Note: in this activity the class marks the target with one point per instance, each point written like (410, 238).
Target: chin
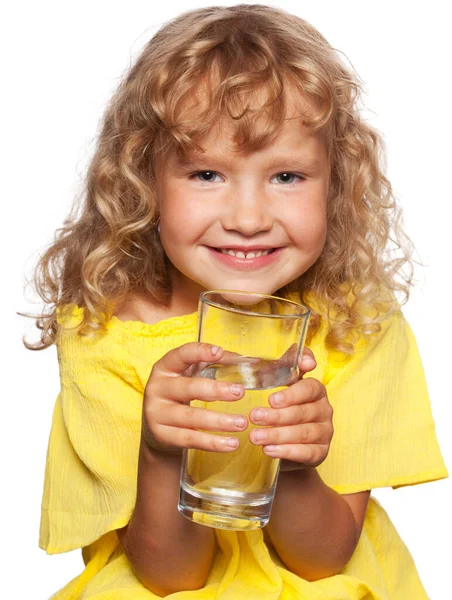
(247, 287)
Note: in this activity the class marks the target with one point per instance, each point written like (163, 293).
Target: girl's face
(238, 221)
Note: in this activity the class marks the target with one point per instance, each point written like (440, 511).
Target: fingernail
(259, 414)
(308, 362)
(277, 398)
(232, 442)
(215, 350)
(259, 435)
(239, 421)
(270, 450)
(236, 389)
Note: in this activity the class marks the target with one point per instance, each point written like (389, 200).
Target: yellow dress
(380, 406)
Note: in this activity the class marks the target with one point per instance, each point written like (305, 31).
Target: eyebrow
(298, 162)
(289, 162)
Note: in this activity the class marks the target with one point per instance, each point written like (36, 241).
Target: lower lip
(244, 264)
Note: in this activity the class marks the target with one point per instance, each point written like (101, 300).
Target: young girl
(233, 156)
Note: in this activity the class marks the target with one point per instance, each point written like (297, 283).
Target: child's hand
(299, 419)
(169, 422)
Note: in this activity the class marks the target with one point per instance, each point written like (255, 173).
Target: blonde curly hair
(109, 246)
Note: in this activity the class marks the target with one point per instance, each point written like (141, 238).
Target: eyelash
(297, 175)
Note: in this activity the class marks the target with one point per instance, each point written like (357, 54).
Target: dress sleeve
(384, 433)
(91, 469)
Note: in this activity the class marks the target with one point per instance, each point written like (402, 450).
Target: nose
(247, 211)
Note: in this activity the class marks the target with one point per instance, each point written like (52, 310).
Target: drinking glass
(262, 337)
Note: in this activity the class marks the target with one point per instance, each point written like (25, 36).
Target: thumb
(306, 361)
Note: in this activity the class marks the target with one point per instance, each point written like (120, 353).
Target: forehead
(258, 127)
(292, 138)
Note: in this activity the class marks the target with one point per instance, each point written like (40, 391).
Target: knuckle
(149, 419)
(275, 435)
(305, 434)
(188, 438)
(204, 349)
(215, 444)
(219, 389)
(273, 416)
(187, 414)
(192, 387)
(150, 389)
(326, 433)
(188, 351)
(225, 423)
(320, 389)
(288, 396)
(272, 436)
(157, 436)
(183, 351)
(308, 454)
(277, 417)
(303, 413)
(312, 386)
(317, 388)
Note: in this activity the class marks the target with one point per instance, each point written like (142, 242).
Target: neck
(184, 300)
(184, 295)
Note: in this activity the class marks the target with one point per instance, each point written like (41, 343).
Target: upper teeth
(240, 254)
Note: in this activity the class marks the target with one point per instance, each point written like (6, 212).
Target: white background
(60, 63)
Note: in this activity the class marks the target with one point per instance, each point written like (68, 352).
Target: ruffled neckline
(165, 326)
(73, 315)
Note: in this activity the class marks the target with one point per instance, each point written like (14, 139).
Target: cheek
(307, 224)
(181, 219)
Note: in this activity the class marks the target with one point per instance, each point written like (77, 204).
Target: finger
(227, 358)
(307, 433)
(307, 353)
(292, 415)
(306, 455)
(177, 361)
(289, 357)
(290, 465)
(190, 417)
(233, 358)
(306, 361)
(185, 389)
(305, 390)
(177, 437)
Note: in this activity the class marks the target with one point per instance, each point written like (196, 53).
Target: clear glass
(262, 337)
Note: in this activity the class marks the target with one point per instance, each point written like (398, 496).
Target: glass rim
(203, 297)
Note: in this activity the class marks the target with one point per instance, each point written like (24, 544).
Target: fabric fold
(381, 406)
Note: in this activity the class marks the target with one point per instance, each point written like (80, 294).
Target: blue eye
(288, 178)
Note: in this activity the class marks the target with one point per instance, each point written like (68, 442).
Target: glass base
(235, 516)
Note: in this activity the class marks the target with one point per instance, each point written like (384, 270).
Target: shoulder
(92, 354)
(96, 368)
(379, 335)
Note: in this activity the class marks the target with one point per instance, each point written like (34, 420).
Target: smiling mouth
(242, 254)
